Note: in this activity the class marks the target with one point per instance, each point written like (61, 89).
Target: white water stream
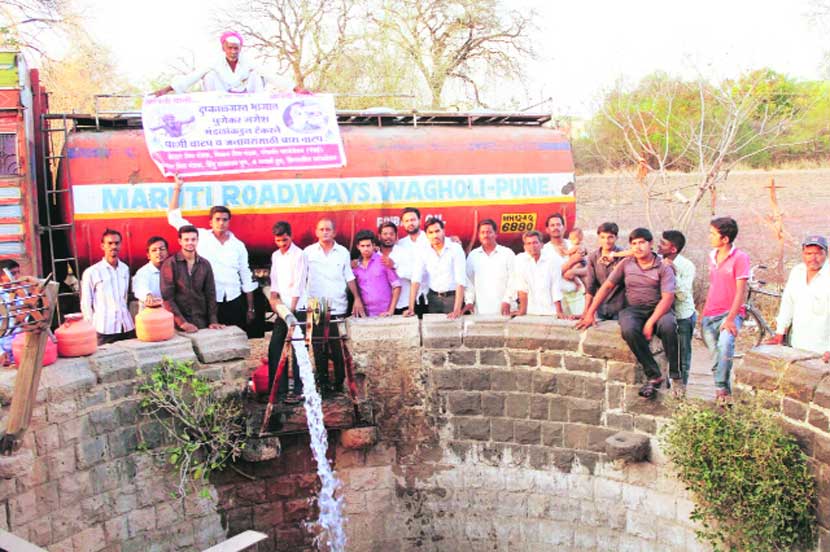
(332, 536)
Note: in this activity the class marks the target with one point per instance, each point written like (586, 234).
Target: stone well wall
(503, 448)
(491, 435)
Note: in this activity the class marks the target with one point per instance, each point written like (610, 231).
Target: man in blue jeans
(724, 311)
(649, 292)
(669, 247)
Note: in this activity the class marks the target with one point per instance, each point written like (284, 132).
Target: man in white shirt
(104, 288)
(537, 278)
(573, 294)
(489, 268)
(288, 280)
(329, 275)
(444, 267)
(413, 245)
(805, 304)
(146, 286)
(228, 257)
(230, 73)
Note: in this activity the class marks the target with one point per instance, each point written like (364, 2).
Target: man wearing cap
(231, 73)
(805, 304)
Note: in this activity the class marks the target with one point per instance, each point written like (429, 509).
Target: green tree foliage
(751, 483)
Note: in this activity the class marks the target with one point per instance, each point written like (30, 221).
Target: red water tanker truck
(462, 167)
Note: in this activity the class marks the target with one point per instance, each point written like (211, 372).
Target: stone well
(486, 434)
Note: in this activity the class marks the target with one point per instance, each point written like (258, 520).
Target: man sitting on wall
(649, 292)
(187, 285)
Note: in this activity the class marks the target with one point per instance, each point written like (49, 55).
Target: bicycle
(755, 327)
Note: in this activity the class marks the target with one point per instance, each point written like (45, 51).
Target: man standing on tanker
(231, 73)
(228, 258)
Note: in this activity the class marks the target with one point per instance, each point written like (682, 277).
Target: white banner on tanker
(210, 133)
(254, 196)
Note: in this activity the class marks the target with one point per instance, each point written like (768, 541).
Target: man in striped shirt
(104, 288)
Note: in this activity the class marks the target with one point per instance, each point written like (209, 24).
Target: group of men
(208, 284)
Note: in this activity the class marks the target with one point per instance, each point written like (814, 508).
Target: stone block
(541, 332)
(597, 437)
(822, 394)
(517, 405)
(462, 357)
(262, 449)
(539, 407)
(48, 439)
(580, 363)
(490, 357)
(122, 442)
(794, 409)
(439, 332)
(764, 367)
(68, 377)
(91, 451)
(477, 429)
(464, 403)
(211, 346)
(802, 378)
(523, 359)
(492, 404)
(552, 434)
(821, 448)
(113, 364)
(558, 411)
(584, 411)
(628, 447)
(527, 432)
(576, 436)
(818, 419)
(445, 379)
(803, 436)
(7, 379)
(17, 464)
(604, 341)
(626, 372)
(636, 404)
(501, 429)
(645, 424)
(544, 382)
(475, 379)
(615, 393)
(103, 420)
(619, 421)
(399, 331)
(147, 355)
(484, 331)
(510, 380)
(550, 360)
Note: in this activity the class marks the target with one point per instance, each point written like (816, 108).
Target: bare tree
(700, 128)
(304, 37)
(23, 22)
(457, 40)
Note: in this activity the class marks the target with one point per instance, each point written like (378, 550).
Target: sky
(584, 47)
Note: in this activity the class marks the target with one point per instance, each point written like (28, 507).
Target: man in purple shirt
(649, 292)
(378, 284)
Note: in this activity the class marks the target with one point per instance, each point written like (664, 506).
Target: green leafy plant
(751, 484)
(206, 432)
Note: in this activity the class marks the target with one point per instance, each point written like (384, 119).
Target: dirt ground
(804, 200)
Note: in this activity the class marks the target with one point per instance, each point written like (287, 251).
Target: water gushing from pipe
(331, 508)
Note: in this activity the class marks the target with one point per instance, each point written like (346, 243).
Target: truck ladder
(63, 256)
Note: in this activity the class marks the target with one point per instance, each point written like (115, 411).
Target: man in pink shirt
(723, 312)
(378, 284)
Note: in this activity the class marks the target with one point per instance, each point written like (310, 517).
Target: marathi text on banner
(209, 133)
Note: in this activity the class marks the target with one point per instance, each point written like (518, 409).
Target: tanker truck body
(462, 168)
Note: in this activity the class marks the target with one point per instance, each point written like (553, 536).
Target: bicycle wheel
(752, 333)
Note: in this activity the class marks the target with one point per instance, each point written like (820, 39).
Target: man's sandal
(649, 390)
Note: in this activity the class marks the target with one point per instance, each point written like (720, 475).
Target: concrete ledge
(404, 331)
(211, 346)
(66, 378)
(542, 332)
(113, 364)
(484, 331)
(439, 332)
(604, 341)
(147, 355)
(764, 367)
